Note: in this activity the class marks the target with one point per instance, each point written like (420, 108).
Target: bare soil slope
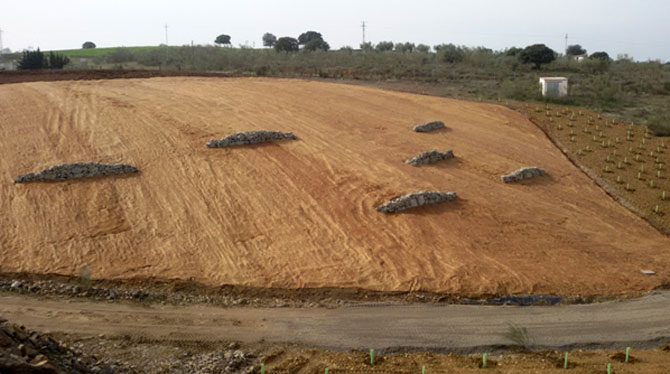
(302, 213)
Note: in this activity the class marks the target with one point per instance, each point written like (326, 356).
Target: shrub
(422, 48)
(514, 51)
(404, 47)
(660, 125)
(518, 335)
(35, 60)
(450, 53)
(384, 46)
(316, 44)
(600, 56)
(32, 60)
(120, 55)
(57, 61)
(367, 46)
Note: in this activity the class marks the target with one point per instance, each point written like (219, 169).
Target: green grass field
(94, 52)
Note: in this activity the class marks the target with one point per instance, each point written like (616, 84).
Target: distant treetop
(537, 54)
(312, 41)
(384, 46)
(286, 44)
(269, 40)
(600, 56)
(308, 36)
(88, 45)
(575, 50)
(222, 39)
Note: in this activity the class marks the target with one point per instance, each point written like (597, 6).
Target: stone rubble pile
(523, 173)
(75, 170)
(45, 287)
(80, 289)
(29, 352)
(416, 199)
(430, 157)
(429, 126)
(249, 137)
(220, 362)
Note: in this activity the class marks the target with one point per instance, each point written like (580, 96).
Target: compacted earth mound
(303, 214)
(250, 137)
(75, 170)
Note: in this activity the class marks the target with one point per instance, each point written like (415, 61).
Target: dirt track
(302, 213)
(641, 323)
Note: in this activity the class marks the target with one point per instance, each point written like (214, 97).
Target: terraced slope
(302, 213)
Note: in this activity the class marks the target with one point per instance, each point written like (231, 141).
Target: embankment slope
(302, 213)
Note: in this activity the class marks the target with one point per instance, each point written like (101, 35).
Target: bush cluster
(36, 60)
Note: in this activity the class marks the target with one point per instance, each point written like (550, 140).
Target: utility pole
(363, 27)
(167, 50)
(192, 56)
(1, 46)
(566, 44)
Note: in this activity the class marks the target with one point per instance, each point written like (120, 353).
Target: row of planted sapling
(627, 156)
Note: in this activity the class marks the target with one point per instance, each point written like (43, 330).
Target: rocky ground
(186, 292)
(26, 351)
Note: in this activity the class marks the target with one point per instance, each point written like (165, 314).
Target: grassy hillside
(636, 92)
(94, 52)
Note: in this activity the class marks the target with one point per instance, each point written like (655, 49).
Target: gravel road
(642, 323)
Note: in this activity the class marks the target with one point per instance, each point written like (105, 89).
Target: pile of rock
(250, 137)
(429, 157)
(46, 287)
(523, 173)
(416, 199)
(76, 170)
(429, 126)
(228, 361)
(25, 351)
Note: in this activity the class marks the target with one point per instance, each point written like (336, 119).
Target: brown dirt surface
(161, 357)
(171, 339)
(302, 213)
(626, 159)
(20, 76)
(638, 323)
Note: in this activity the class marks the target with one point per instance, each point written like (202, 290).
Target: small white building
(554, 86)
(580, 58)
(11, 65)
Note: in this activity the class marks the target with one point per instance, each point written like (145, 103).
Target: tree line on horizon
(536, 54)
(310, 41)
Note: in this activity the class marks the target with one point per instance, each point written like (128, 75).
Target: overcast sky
(639, 28)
